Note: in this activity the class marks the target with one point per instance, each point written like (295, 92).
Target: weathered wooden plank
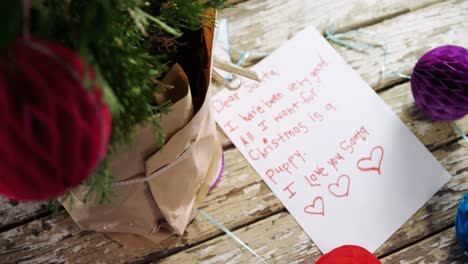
(431, 134)
(44, 239)
(279, 239)
(407, 40)
(239, 197)
(269, 23)
(233, 207)
(440, 248)
(13, 212)
(258, 17)
(273, 233)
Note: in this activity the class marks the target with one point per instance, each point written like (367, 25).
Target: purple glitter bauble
(440, 83)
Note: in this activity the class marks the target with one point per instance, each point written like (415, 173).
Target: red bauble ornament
(348, 254)
(53, 130)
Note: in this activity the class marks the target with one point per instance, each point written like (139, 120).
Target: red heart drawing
(341, 187)
(313, 209)
(373, 162)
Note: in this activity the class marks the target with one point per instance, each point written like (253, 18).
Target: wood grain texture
(278, 239)
(408, 37)
(279, 230)
(41, 240)
(436, 25)
(257, 18)
(13, 212)
(441, 248)
(270, 23)
(240, 199)
(431, 134)
(263, 25)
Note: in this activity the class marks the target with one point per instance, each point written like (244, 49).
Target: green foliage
(54, 206)
(100, 184)
(187, 14)
(122, 40)
(142, 20)
(10, 21)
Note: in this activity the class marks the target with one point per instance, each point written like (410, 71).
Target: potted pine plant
(105, 107)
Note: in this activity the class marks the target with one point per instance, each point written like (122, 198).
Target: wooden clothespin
(235, 70)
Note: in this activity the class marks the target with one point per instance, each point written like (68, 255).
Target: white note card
(342, 163)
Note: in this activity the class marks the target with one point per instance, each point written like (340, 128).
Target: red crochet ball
(348, 254)
(53, 130)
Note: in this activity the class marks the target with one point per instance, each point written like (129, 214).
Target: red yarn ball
(348, 254)
(53, 130)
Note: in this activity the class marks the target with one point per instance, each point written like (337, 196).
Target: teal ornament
(461, 223)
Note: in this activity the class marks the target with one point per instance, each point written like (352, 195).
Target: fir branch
(129, 43)
(100, 184)
(54, 206)
(142, 21)
(187, 14)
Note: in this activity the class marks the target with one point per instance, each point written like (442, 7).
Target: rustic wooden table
(241, 201)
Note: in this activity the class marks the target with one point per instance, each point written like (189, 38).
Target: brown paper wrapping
(123, 163)
(157, 191)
